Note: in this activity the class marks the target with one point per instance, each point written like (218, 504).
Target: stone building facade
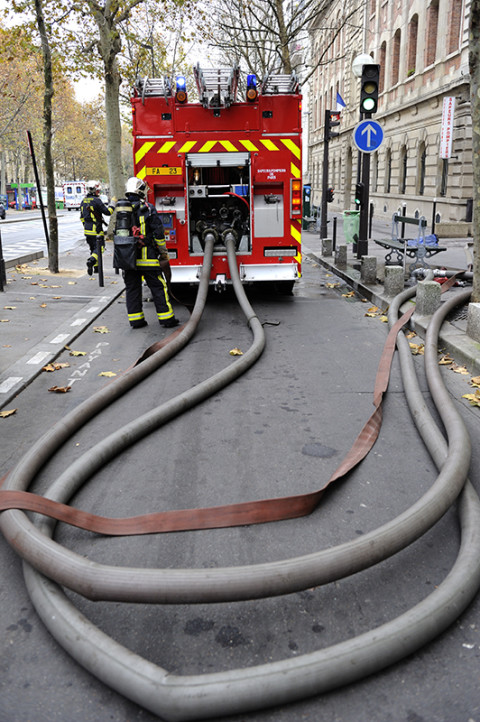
(422, 49)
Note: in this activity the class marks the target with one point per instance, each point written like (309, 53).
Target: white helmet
(136, 185)
(93, 186)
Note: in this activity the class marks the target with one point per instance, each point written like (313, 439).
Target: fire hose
(204, 696)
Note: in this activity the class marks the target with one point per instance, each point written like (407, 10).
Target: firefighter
(92, 210)
(152, 259)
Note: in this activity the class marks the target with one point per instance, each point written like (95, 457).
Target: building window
(388, 171)
(403, 171)
(454, 25)
(422, 165)
(382, 59)
(412, 46)
(396, 57)
(375, 173)
(432, 27)
(444, 177)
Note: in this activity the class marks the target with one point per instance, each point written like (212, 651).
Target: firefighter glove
(166, 270)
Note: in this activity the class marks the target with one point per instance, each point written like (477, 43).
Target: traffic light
(330, 195)
(359, 194)
(332, 118)
(369, 88)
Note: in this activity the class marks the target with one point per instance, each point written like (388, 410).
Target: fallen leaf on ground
(384, 319)
(101, 329)
(417, 349)
(107, 373)
(445, 360)
(332, 285)
(78, 353)
(7, 412)
(9, 308)
(459, 369)
(475, 381)
(43, 305)
(56, 366)
(348, 295)
(4, 320)
(473, 399)
(236, 352)
(60, 389)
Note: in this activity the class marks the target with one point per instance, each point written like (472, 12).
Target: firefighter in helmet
(92, 210)
(152, 259)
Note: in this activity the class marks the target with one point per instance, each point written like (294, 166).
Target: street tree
(474, 60)
(48, 92)
(270, 35)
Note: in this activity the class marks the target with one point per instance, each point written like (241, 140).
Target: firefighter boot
(170, 322)
(91, 263)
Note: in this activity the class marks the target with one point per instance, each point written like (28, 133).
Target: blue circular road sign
(368, 135)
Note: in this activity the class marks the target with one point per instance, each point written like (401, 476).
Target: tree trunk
(474, 47)
(47, 140)
(109, 47)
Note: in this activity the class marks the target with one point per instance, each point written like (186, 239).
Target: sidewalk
(41, 313)
(453, 338)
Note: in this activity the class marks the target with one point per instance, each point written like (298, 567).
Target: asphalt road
(25, 233)
(282, 429)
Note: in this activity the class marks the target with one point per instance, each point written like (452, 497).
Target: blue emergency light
(181, 89)
(252, 92)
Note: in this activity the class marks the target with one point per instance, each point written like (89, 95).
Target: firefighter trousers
(92, 244)
(134, 299)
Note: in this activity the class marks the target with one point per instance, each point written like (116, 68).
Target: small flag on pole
(340, 103)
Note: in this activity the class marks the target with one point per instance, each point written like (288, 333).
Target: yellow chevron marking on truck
(141, 173)
(187, 147)
(148, 145)
(269, 145)
(228, 146)
(296, 235)
(295, 171)
(293, 147)
(207, 147)
(167, 146)
(248, 145)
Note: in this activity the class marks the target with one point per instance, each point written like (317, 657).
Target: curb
(452, 340)
(26, 369)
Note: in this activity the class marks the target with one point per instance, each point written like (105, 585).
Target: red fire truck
(224, 166)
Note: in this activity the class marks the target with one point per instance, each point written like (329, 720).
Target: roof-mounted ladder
(217, 88)
(279, 84)
(151, 87)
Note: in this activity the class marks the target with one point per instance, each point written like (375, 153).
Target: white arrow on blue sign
(368, 135)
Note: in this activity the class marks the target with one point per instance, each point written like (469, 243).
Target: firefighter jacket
(148, 227)
(92, 210)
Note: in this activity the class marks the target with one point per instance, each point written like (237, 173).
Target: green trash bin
(351, 226)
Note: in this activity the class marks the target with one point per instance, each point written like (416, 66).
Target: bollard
(341, 257)
(473, 321)
(327, 246)
(394, 280)
(368, 270)
(428, 298)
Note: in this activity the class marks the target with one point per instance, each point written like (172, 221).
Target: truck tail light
(295, 197)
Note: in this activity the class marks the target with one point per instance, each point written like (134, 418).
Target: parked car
(3, 212)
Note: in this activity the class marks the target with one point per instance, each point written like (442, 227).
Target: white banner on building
(446, 132)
